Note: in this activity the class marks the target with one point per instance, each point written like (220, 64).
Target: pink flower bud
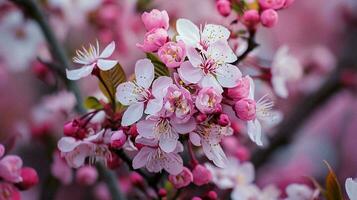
(224, 7)
(40, 70)
(242, 153)
(155, 19)
(212, 195)
(154, 39)
(245, 109)
(288, 3)
(269, 18)
(73, 129)
(133, 131)
(241, 90)
(172, 54)
(9, 192)
(162, 192)
(208, 100)
(29, 178)
(201, 117)
(271, 4)
(136, 179)
(113, 161)
(2, 150)
(224, 120)
(86, 175)
(118, 139)
(251, 18)
(10, 168)
(183, 179)
(201, 175)
(196, 198)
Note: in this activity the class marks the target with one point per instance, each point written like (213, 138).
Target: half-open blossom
(10, 168)
(172, 54)
(178, 104)
(241, 90)
(212, 68)
(351, 188)
(245, 109)
(251, 18)
(136, 94)
(209, 137)
(155, 159)
(194, 37)
(155, 19)
(153, 40)
(164, 130)
(94, 147)
(300, 192)
(92, 58)
(272, 4)
(182, 179)
(224, 7)
(201, 175)
(284, 68)
(208, 100)
(269, 18)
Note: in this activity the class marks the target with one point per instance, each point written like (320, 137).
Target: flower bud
(86, 175)
(208, 100)
(241, 90)
(272, 4)
(9, 191)
(10, 169)
(245, 109)
(70, 128)
(155, 19)
(181, 180)
(118, 139)
(224, 120)
(162, 192)
(201, 175)
(136, 179)
(40, 70)
(201, 117)
(172, 54)
(251, 19)
(242, 153)
(133, 131)
(288, 3)
(269, 18)
(154, 39)
(196, 198)
(212, 195)
(29, 178)
(224, 7)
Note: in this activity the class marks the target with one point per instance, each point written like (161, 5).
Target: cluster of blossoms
(14, 177)
(253, 12)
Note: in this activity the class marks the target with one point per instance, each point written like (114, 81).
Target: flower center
(209, 66)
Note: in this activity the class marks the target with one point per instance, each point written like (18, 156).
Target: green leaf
(110, 80)
(160, 67)
(333, 188)
(92, 103)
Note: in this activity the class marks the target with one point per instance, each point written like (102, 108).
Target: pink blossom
(269, 18)
(208, 100)
(178, 104)
(209, 137)
(241, 90)
(164, 130)
(288, 3)
(61, 170)
(136, 94)
(182, 179)
(2, 150)
(172, 54)
(29, 178)
(224, 7)
(86, 175)
(9, 192)
(117, 139)
(155, 159)
(223, 120)
(155, 19)
(201, 175)
(154, 39)
(245, 109)
(272, 4)
(301, 192)
(10, 168)
(251, 18)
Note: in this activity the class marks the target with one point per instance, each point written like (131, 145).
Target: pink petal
(67, 144)
(144, 73)
(106, 64)
(187, 127)
(221, 52)
(188, 32)
(194, 57)
(228, 75)
(168, 142)
(160, 85)
(132, 114)
(189, 73)
(146, 128)
(210, 81)
(10, 168)
(141, 158)
(153, 106)
(173, 163)
(195, 139)
(108, 51)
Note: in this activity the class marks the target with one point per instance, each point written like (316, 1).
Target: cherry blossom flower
(155, 19)
(136, 94)
(211, 68)
(351, 188)
(154, 39)
(10, 168)
(284, 68)
(182, 179)
(9, 192)
(164, 130)
(61, 170)
(209, 136)
(172, 54)
(92, 58)
(208, 100)
(300, 192)
(94, 147)
(251, 191)
(155, 159)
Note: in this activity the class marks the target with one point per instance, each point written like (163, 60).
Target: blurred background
(32, 113)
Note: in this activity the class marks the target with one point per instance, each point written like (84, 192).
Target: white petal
(215, 153)
(168, 142)
(194, 57)
(279, 85)
(67, 144)
(106, 64)
(144, 72)
(79, 73)
(188, 32)
(108, 50)
(221, 52)
(141, 158)
(126, 93)
(210, 81)
(189, 73)
(351, 188)
(160, 85)
(132, 114)
(254, 130)
(228, 75)
(153, 106)
(251, 88)
(195, 139)
(213, 33)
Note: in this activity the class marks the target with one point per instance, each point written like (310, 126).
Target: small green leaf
(333, 188)
(92, 103)
(110, 80)
(160, 67)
